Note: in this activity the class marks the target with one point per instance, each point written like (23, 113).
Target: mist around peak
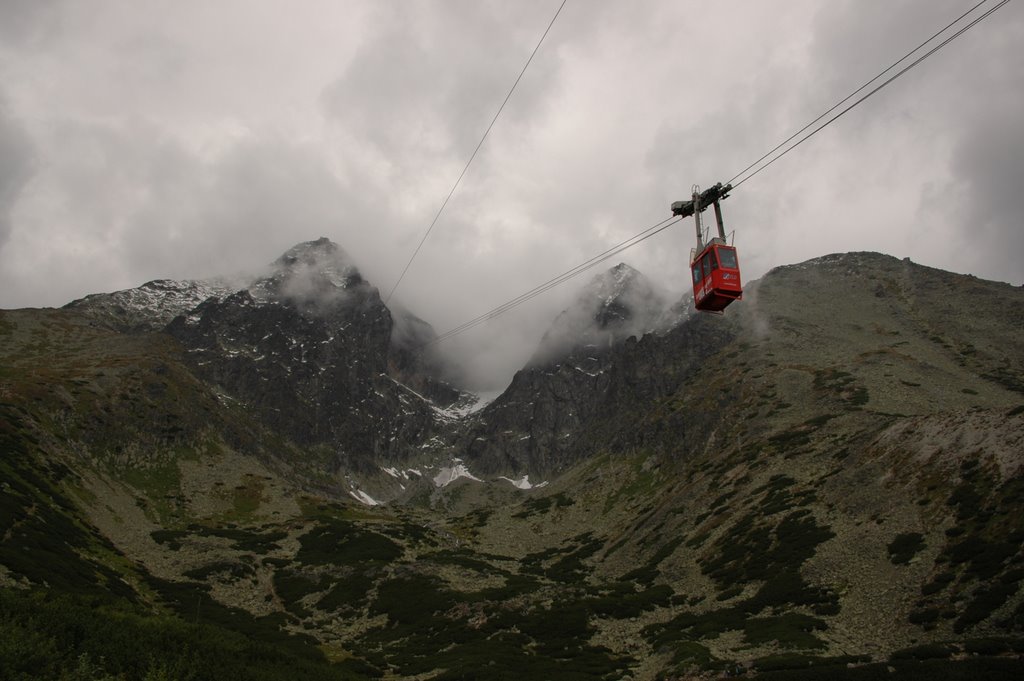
(316, 275)
(616, 304)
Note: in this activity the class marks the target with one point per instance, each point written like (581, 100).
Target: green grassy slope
(835, 491)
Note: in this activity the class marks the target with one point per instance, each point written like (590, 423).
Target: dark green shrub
(538, 505)
(46, 635)
(339, 542)
(927, 651)
(904, 547)
(938, 583)
(348, 594)
(984, 603)
(791, 630)
(170, 537)
(731, 592)
(987, 646)
(926, 616)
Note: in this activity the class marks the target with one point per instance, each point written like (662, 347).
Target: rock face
(413, 360)
(309, 347)
(148, 307)
(830, 474)
(589, 367)
(615, 305)
(312, 349)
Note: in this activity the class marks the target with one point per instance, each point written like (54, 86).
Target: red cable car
(716, 277)
(714, 265)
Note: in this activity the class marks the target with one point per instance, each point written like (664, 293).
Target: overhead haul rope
(473, 155)
(560, 279)
(661, 226)
(917, 61)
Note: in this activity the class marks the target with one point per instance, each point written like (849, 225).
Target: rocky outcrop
(601, 357)
(309, 348)
(148, 307)
(414, 361)
(614, 305)
(553, 416)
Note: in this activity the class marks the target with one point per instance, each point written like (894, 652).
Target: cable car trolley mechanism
(713, 263)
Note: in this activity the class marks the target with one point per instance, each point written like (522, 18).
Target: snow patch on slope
(449, 474)
(401, 474)
(524, 482)
(153, 304)
(471, 404)
(363, 497)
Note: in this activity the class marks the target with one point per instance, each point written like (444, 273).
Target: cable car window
(697, 276)
(710, 264)
(728, 257)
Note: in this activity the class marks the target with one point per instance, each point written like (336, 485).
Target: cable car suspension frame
(713, 263)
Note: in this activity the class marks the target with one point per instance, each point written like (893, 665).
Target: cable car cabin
(716, 277)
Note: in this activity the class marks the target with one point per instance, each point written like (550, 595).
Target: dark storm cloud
(988, 157)
(199, 217)
(16, 160)
(194, 139)
(420, 87)
(415, 101)
(26, 22)
(989, 161)
(258, 199)
(969, 98)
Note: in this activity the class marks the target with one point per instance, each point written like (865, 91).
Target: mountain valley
(281, 478)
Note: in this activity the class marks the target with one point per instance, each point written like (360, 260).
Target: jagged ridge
(828, 474)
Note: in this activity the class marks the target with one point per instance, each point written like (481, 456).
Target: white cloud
(190, 139)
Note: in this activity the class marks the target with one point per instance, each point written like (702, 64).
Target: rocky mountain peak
(151, 306)
(312, 271)
(616, 304)
(833, 469)
(535, 426)
(321, 254)
(617, 291)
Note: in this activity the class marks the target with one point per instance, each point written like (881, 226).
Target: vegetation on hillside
(824, 494)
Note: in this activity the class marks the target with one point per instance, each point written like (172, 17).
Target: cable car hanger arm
(709, 196)
(715, 269)
(699, 203)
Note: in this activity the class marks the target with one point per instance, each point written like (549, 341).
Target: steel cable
(473, 155)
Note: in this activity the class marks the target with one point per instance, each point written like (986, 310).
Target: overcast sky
(143, 139)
